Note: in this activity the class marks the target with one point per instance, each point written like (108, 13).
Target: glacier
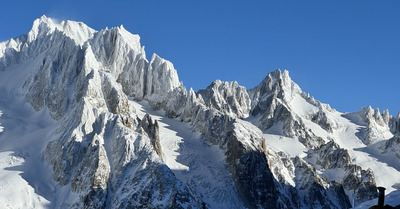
(86, 121)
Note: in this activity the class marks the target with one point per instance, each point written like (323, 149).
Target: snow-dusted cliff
(89, 122)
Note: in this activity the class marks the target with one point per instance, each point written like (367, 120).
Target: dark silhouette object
(381, 201)
(381, 196)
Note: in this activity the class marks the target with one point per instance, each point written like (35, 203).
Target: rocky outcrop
(354, 179)
(375, 126)
(151, 129)
(318, 191)
(321, 118)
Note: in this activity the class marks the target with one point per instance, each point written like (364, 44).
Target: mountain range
(87, 121)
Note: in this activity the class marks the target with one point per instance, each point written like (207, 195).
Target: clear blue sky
(345, 53)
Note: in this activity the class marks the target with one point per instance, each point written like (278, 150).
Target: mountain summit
(86, 121)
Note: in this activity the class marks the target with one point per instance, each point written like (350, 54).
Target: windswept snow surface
(193, 161)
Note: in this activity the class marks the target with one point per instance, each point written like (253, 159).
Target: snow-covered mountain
(86, 121)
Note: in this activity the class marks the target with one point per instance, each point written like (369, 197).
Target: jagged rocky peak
(227, 97)
(368, 115)
(278, 101)
(77, 31)
(162, 77)
(276, 89)
(41, 26)
(118, 38)
(278, 83)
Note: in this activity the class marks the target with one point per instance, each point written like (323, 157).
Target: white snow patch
(290, 146)
(300, 106)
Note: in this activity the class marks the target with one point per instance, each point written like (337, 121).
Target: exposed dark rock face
(152, 131)
(322, 119)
